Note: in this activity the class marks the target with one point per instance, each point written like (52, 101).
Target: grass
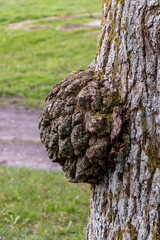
(19, 10)
(33, 61)
(40, 205)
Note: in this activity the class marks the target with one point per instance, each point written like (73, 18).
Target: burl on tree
(82, 126)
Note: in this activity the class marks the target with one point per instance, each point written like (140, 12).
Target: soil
(19, 139)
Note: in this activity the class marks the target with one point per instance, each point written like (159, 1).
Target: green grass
(33, 61)
(19, 10)
(40, 205)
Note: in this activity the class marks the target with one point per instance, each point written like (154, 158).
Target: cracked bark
(102, 124)
(125, 204)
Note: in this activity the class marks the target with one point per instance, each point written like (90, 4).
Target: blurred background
(41, 42)
(37, 50)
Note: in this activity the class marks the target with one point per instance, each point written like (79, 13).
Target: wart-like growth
(81, 126)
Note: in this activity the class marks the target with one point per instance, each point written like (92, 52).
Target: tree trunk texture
(125, 204)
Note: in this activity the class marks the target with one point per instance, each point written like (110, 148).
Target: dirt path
(30, 24)
(19, 139)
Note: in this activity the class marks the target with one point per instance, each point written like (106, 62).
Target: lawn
(32, 61)
(40, 205)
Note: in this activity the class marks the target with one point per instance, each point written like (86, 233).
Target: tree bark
(125, 204)
(102, 124)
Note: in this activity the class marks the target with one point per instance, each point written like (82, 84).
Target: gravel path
(19, 139)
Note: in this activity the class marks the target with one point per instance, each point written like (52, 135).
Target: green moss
(110, 16)
(122, 4)
(101, 37)
(107, 198)
(117, 42)
(153, 147)
(132, 230)
(93, 147)
(129, 56)
(126, 189)
(97, 116)
(120, 1)
(112, 31)
(111, 214)
(109, 122)
(129, 61)
(156, 234)
(100, 44)
(110, 198)
(152, 152)
(144, 121)
(126, 21)
(104, 205)
(100, 76)
(112, 34)
(115, 68)
(119, 234)
(107, 203)
(108, 5)
(117, 100)
(72, 74)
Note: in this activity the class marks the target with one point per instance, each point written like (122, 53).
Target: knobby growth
(81, 126)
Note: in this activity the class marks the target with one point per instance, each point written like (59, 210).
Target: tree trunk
(102, 124)
(125, 204)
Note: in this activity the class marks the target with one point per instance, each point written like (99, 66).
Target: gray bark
(125, 204)
(102, 124)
